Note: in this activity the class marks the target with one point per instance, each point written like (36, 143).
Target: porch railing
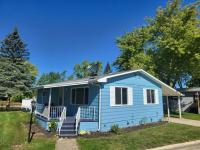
(62, 118)
(88, 112)
(77, 119)
(55, 112)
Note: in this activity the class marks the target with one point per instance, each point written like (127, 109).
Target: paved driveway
(195, 123)
(193, 145)
(189, 147)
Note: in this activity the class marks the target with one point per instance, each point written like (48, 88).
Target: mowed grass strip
(13, 133)
(150, 137)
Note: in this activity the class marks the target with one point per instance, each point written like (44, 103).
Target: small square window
(150, 96)
(121, 96)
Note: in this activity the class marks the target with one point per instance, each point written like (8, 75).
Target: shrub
(114, 129)
(52, 125)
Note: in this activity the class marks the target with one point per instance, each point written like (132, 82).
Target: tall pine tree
(15, 76)
(107, 69)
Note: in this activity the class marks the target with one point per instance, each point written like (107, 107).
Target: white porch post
(49, 106)
(179, 106)
(168, 110)
(63, 95)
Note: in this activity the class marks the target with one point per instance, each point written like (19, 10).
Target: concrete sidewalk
(195, 123)
(194, 145)
(66, 144)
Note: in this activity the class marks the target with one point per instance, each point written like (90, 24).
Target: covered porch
(60, 101)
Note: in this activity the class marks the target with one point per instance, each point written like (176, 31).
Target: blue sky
(61, 33)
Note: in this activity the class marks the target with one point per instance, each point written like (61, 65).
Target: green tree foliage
(168, 46)
(15, 75)
(51, 77)
(82, 70)
(107, 69)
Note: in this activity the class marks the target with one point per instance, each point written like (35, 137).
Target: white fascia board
(64, 84)
(177, 93)
(104, 79)
(162, 83)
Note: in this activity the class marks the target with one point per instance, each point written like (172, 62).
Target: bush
(52, 125)
(17, 97)
(114, 129)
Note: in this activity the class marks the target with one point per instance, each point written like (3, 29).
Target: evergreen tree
(107, 69)
(15, 76)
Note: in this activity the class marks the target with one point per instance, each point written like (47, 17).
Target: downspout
(99, 123)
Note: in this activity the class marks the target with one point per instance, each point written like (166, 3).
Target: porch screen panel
(73, 96)
(80, 96)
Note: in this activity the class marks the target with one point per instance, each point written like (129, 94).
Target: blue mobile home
(95, 104)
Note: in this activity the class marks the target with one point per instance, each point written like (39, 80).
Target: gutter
(99, 122)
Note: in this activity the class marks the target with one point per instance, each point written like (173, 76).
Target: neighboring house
(26, 104)
(95, 104)
(190, 99)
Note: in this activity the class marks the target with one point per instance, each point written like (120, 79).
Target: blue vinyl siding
(135, 114)
(89, 126)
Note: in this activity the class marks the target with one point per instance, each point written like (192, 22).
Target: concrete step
(67, 132)
(67, 135)
(68, 128)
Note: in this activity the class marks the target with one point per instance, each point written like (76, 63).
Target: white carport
(168, 91)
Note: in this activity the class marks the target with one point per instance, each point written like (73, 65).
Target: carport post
(168, 111)
(179, 106)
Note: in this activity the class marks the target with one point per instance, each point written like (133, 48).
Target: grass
(187, 115)
(150, 137)
(13, 133)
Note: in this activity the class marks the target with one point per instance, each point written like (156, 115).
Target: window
(121, 96)
(79, 96)
(150, 96)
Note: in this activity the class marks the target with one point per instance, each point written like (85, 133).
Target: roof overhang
(166, 89)
(61, 84)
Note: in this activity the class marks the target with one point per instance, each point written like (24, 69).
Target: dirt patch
(122, 130)
(39, 131)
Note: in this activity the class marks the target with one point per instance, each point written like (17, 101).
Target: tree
(15, 76)
(107, 69)
(168, 46)
(83, 70)
(51, 77)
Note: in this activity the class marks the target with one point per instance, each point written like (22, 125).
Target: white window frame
(156, 96)
(75, 96)
(129, 96)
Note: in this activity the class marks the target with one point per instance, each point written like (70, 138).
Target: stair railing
(78, 116)
(62, 118)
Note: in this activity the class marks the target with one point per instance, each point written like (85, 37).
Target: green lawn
(142, 139)
(13, 133)
(187, 115)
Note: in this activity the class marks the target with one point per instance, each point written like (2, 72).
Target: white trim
(99, 124)
(176, 93)
(84, 87)
(69, 83)
(167, 90)
(156, 96)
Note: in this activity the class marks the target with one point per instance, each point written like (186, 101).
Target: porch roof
(166, 89)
